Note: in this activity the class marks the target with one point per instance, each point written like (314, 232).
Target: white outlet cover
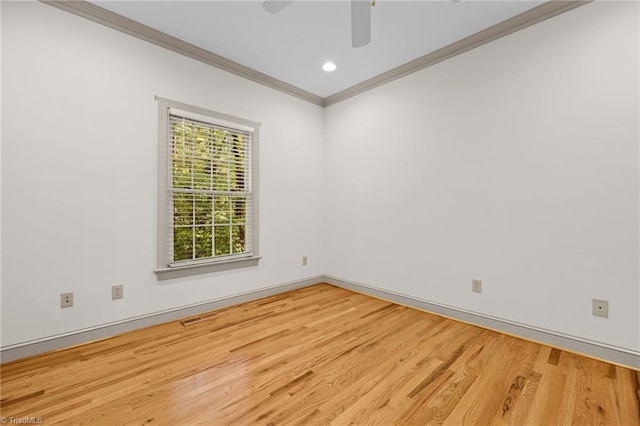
(117, 291)
(63, 300)
(600, 308)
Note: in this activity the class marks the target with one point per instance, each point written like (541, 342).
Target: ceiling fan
(360, 18)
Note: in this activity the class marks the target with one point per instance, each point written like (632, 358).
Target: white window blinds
(210, 199)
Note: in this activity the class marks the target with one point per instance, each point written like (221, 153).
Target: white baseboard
(602, 351)
(598, 350)
(40, 346)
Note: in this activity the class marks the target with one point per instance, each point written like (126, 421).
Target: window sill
(204, 268)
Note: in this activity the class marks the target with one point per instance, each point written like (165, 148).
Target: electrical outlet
(476, 286)
(304, 260)
(600, 308)
(117, 291)
(66, 300)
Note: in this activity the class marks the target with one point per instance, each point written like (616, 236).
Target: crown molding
(110, 19)
(539, 13)
(128, 26)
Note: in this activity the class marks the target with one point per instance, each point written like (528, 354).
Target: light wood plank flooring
(319, 355)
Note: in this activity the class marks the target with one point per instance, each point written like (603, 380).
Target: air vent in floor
(198, 319)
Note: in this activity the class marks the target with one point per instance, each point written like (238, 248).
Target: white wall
(79, 174)
(515, 163)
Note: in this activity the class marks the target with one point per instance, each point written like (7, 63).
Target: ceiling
(293, 44)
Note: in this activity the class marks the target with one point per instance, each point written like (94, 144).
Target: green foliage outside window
(209, 173)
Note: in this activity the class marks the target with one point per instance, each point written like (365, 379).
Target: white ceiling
(293, 44)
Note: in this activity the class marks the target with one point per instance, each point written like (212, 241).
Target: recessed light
(329, 66)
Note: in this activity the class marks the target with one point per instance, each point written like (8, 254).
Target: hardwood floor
(315, 356)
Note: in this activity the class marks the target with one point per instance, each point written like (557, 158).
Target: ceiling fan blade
(360, 22)
(275, 6)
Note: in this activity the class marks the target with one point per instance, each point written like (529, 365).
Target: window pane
(182, 209)
(236, 163)
(239, 209)
(238, 238)
(222, 240)
(201, 174)
(204, 242)
(222, 210)
(221, 177)
(219, 172)
(182, 244)
(237, 146)
(203, 206)
(181, 168)
(221, 138)
(202, 158)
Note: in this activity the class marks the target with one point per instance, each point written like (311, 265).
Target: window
(207, 191)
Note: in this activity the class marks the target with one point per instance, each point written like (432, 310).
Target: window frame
(164, 269)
